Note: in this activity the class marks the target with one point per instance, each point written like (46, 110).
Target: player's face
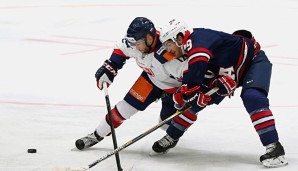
(141, 46)
(173, 48)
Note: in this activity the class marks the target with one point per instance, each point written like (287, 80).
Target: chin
(144, 51)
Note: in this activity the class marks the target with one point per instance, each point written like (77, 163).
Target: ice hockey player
(160, 78)
(232, 61)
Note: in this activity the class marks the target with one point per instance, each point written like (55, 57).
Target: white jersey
(165, 74)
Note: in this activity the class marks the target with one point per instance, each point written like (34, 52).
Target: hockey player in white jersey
(161, 76)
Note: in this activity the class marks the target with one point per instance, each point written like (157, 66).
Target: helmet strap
(150, 46)
(182, 49)
(179, 45)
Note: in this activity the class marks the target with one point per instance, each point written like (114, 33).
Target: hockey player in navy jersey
(161, 76)
(229, 61)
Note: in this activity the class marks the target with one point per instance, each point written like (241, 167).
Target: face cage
(132, 41)
(175, 40)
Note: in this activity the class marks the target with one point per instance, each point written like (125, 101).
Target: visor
(132, 41)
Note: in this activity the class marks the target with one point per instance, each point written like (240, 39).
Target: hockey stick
(115, 151)
(105, 88)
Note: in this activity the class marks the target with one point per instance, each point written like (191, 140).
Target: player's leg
(142, 94)
(164, 144)
(254, 95)
(167, 108)
(180, 124)
(175, 130)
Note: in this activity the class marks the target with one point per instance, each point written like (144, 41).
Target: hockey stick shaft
(115, 151)
(105, 87)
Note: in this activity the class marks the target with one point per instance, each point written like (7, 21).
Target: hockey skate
(164, 145)
(88, 141)
(275, 156)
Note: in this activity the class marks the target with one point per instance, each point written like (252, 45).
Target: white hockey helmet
(171, 30)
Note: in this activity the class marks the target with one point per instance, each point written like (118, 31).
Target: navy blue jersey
(213, 53)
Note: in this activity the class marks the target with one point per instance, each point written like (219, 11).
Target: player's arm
(198, 59)
(110, 67)
(193, 78)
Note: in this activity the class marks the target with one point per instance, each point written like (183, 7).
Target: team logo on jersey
(227, 71)
(222, 71)
(141, 89)
(247, 82)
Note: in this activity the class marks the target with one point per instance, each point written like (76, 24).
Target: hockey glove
(225, 84)
(203, 99)
(106, 73)
(185, 95)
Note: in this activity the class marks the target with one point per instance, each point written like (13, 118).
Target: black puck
(31, 150)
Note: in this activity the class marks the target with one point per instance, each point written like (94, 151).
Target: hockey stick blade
(70, 169)
(117, 150)
(113, 152)
(79, 169)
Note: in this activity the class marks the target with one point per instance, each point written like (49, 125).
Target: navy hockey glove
(185, 95)
(225, 84)
(105, 73)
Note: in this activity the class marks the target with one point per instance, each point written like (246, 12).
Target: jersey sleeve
(202, 43)
(120, 53)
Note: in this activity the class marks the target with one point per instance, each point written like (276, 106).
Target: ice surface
(50, 50)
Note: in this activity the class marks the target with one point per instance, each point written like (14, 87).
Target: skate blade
(153, 153)
(275, 162)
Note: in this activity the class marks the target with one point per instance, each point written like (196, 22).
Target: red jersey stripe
(119, 52)
(198, 59)
(200, 50)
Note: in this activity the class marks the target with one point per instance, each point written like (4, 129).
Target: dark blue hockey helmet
(139, 28)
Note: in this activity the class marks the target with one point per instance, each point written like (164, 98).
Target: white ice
(50, 50)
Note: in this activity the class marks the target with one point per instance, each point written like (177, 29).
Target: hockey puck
(31, 150)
